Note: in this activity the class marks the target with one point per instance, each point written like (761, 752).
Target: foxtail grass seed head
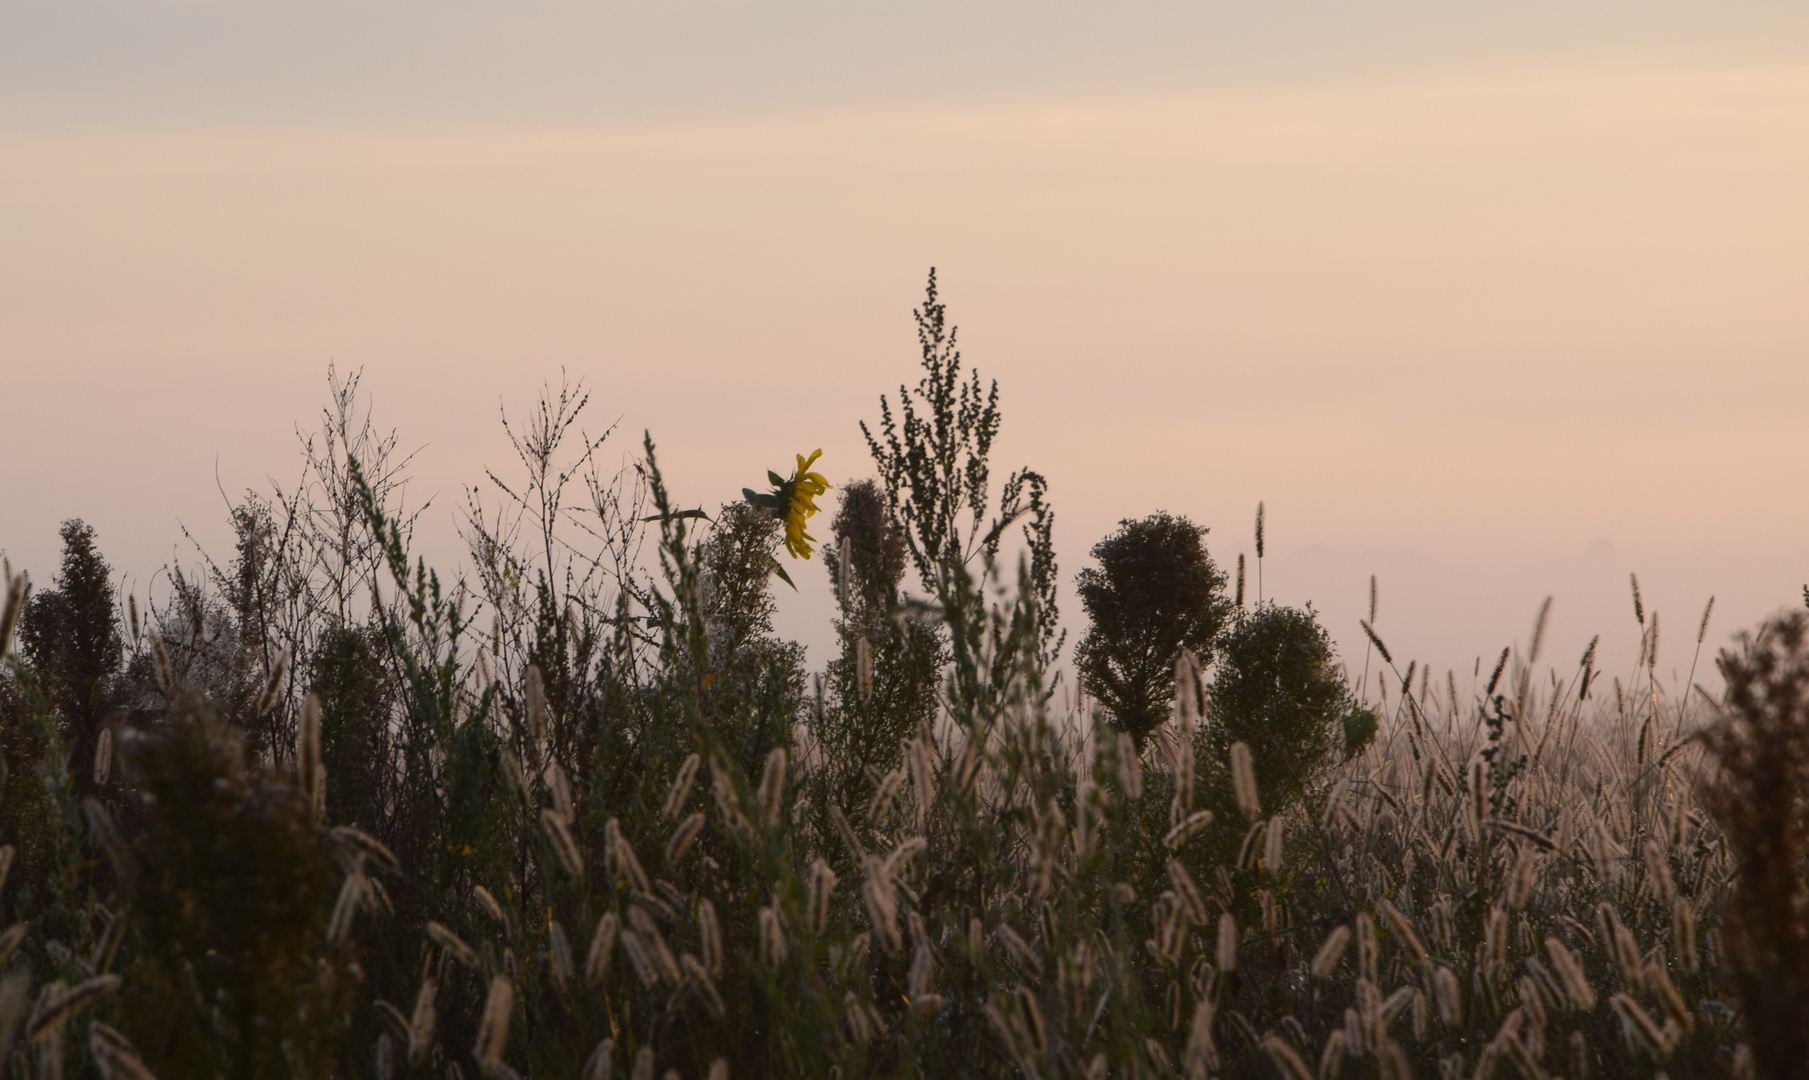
(1240, 579)
(352, 894)
(619, 854)
(602, 944)
(1658, 873)
(681, 838)
(1402, 930)
(1368, 949)
(1285, 1058)
(493, 1023)
(1448, 997)
(918, 982)
(1184, 773)
(565, 849)
(643, 1064)
(772, 786)
(421, 1022)
(822, 886)
(103, 757)
(1200, 1059)
(1227, 943)
(1683, 933)
(273, 685)
(1259, 529)
(312, 777)
(536, 704)
(772, 939)
(923, 773)
(454, 946)
(1539, 624)
(1520, 879)
(1243, 780)
(6, 864)
(1372, 598)
(1191, 904)
(709, 936)
(1495, 676)
(57, 1003)
(1272, 847)
(1376, 641)
(1331, 950)
(560, 790)
(1187, 695)
(681, 786)
(488, 904)
(601, 1063)
(559, 950)
(1186, 828)
(863, 667)
(15, 991)
(114, 1055)
(1130, 767)
(1639, 607)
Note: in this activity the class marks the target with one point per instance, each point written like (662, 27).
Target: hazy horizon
(1493, 306)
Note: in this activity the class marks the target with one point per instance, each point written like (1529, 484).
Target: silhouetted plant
(1277, 689)
(1759, 793)
(231, 884)
(937, 474)
(72, 642)
(1155, 592)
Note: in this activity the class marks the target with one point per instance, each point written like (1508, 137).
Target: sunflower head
(793, 501)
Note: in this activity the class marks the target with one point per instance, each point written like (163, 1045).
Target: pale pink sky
(1492, 306)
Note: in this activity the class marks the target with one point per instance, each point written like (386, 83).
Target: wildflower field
(319, 811)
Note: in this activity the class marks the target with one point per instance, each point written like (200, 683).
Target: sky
(1493, 302)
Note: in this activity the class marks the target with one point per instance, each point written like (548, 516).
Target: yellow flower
(805, 487)
(793, 500)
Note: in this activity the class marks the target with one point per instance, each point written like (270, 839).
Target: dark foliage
(1760, 796)
(1155, 592)
(72, 641)
(1277, 689)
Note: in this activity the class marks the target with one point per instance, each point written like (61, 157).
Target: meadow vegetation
(315, 811)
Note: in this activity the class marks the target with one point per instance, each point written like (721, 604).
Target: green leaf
(783, 576)
(1359, 730)
(677, 515)
(777, 480)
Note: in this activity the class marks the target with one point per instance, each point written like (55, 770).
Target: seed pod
(421, 1022)
(1402, 929)
(772, 786)
(709, 934)
(822, 884)
(488, 903)
(681, 786)
(564, 847)
(772, 939)
(682, 837)
(57, 1003)
(602, 943)
(560, 950)
(601, 1062)
(1331, 950)
(115, 1056)
(443, 936)
(1570, 975)
(1286, 1060)
(1184, 888)
(1243, 780)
